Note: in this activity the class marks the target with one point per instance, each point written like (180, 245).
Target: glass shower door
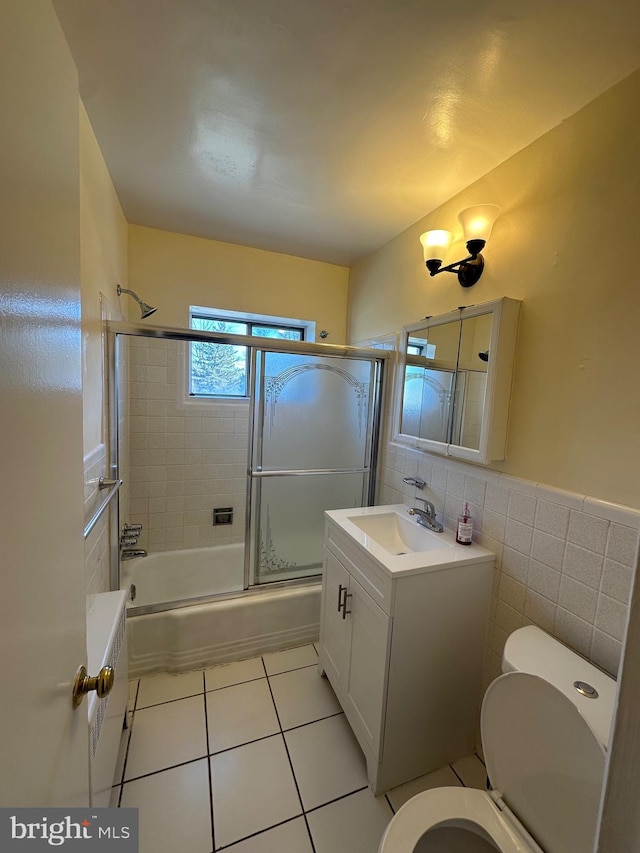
(312, 449)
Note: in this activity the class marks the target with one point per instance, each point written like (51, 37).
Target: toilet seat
(545, 763)
(457, 807)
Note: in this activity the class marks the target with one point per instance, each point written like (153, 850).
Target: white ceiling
(323, 128)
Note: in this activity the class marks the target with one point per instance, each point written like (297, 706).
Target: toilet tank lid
(532, 650)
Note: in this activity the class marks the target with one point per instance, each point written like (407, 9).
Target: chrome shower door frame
(255, 345)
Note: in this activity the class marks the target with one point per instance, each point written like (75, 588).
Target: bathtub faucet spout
(132, 553)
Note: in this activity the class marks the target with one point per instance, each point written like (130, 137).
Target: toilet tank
(532, 650)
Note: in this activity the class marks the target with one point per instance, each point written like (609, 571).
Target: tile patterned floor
(255, 757)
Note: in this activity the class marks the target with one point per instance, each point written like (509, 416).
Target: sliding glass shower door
(313, 423)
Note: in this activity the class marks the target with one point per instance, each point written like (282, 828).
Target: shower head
(484, 356)
(145, 310)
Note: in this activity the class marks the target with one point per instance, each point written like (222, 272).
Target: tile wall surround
(564, 561)
(96, 546)
(183, 459)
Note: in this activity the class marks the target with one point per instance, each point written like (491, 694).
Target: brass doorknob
(101, 683)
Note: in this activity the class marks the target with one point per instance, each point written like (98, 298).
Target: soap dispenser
(464, 532)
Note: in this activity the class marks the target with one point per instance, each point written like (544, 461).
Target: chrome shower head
(145, 310)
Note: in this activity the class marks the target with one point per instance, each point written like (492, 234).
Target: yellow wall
(173, 271)
(103, 264)
(568, 219)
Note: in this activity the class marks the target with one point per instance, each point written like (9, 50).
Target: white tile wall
(563, 561)
(184, 460)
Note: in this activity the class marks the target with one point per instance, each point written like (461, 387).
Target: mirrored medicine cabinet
(454, 381)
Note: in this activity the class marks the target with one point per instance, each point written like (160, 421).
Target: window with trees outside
(222, 370)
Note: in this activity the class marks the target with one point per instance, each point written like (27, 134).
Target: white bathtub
(170, 576)
(201, 635)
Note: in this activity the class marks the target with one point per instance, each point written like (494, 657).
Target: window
(417, 346)
(222, 370)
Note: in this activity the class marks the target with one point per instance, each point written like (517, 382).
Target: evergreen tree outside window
(222, 370)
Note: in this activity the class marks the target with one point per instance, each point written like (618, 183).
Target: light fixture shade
(435, 244)
(477, 221)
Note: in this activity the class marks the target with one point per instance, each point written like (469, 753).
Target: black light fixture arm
(468, 269)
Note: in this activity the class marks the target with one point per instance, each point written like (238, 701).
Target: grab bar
(113, 485)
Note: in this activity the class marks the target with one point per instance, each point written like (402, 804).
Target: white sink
(399, 544)
(399, 534)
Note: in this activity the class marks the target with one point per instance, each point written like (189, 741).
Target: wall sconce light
(477, 223)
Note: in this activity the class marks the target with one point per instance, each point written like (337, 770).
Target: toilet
(545, 729)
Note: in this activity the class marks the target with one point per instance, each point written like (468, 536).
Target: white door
(43, 742)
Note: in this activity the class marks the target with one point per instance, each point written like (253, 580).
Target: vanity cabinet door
(370, 644)
(334, 629)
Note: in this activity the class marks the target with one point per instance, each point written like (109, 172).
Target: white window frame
(183, 373)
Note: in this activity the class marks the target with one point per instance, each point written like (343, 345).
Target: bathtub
(240, 624)
(169, 577)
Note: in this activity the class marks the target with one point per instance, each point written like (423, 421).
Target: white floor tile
(472, 772)
(166, 735)
(302, 696)
(276, 662)
(253, 789)
(327, 761)
(168, 686)
(239, 714)
(174, 809)
(291, 837)
(115, 796)
(354, 824)
(233, 673)
(444, 777)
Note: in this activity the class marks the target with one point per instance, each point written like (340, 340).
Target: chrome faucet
(426, 517)
(132, 553)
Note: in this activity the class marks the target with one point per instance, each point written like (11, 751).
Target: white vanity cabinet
(403, 652)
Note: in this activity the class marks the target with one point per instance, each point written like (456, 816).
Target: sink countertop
(416, 562)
